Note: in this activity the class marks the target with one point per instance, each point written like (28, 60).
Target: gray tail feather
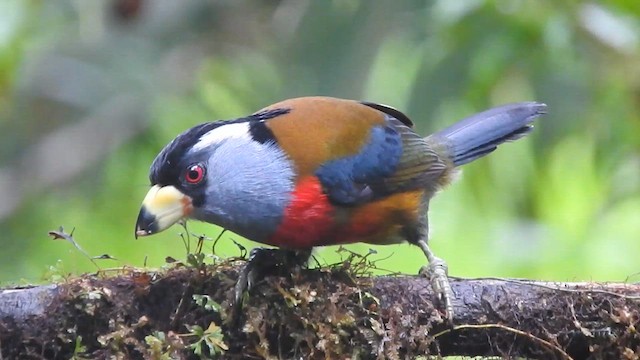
(480, 134)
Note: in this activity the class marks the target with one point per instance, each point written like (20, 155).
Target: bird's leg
(438, 274)
(263, 262)
(437, 269)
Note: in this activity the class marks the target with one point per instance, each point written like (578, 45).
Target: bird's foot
(438, 273)
(263, 262)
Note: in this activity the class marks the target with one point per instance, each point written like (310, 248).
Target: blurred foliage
(91, 91)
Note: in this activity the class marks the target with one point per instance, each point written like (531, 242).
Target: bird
(316, 171)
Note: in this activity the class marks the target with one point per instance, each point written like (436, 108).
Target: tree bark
(330, 313)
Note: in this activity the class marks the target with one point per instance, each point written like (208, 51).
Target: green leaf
(206, 302)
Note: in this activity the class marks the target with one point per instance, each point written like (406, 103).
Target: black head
(166, 169)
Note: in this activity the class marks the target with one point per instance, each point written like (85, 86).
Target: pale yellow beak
(161, 208)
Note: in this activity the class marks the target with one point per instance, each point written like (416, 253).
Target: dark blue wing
(346, 180)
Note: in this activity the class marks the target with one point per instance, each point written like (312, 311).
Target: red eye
(194, 174)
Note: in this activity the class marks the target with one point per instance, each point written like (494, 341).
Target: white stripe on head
(221, 133)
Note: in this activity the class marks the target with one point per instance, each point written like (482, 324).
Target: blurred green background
(90, 91)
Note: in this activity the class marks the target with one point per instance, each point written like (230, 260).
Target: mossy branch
(314, 314)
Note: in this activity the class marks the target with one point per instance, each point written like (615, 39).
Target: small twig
(628, 278)
(215, 242)
(280, 356)
(186, 240)
(187, 295)
(510, 329)
(576, 322)
(60, 234)
(243, 250)
(352, 255)
(104, 257)
(201, 239)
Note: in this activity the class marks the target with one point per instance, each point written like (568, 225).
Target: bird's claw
(438, 273)
(262, 262)
(246, 280)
